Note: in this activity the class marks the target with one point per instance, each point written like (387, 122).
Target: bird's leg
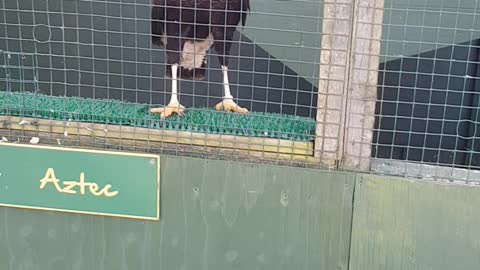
(173, 106)
(227, 104)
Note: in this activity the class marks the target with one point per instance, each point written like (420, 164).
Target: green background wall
(290, 31)
(414, 27)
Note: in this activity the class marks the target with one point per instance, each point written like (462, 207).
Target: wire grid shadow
(428, 113)
(86, 73)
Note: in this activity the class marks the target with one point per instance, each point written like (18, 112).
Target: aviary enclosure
(101, 54)
(318, 135)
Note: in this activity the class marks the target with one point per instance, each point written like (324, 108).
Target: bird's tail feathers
(245, 9)
(158, 24)
(197, 74)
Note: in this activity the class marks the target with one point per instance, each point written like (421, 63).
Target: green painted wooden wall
(229, 215)
(214, 215)
(410, 225)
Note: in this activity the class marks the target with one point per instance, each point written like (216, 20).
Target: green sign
(80, 181)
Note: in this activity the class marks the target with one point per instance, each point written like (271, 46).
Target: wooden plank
(348, 80)
(424, 171)
(362, 84)
(215, 215)
(52, 134)
(403, 224)
(157, 135)
(334, 61)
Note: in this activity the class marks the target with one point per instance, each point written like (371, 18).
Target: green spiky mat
(114, 112)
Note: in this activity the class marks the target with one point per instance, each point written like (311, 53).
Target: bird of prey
(187, 29)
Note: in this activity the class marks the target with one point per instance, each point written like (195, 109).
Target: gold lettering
(69, 185)
(94, 189)
(107, 193)
(50, 178)
(82, 183)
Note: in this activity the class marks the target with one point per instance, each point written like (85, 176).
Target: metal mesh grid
(103, 50)
(427, 114)
(388, 87)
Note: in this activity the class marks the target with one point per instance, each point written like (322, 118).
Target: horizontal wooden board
(401, 224)
(215, 215)
(295, 149)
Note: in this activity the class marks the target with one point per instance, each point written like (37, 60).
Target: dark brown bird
(187, 29)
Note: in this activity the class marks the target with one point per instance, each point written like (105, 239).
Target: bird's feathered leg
(174, 31)
(173, 106)
(222, 46)
(227, 104)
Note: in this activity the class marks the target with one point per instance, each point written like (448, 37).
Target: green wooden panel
(86, 181)
(214, 215)
(400, 224)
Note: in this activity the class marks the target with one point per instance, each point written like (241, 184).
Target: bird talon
(229, 105)
(193, 52)
(169, 110)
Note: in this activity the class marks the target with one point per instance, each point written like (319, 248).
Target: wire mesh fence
(100, 67)
(428, 120)
(387, 87)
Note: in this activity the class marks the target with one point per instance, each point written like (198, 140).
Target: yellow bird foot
(170, 109)
(228, 105)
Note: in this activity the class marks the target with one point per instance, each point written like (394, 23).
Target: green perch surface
(115, 112)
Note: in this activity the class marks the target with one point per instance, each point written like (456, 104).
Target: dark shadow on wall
(428, 107)
(103, 50)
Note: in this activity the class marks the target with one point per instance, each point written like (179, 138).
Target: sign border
(95, 151)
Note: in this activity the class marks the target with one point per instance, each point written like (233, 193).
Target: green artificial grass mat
(115, 112)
